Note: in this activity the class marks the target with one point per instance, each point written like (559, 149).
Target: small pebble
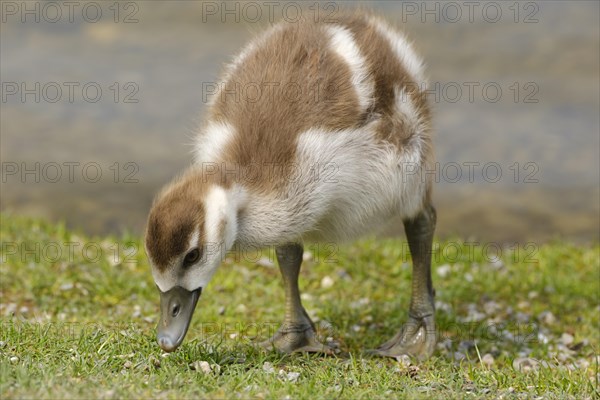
(66, 286)
(491, 307)
(289, 376)
(306, 297)
(441, 306)
(496, 262)
(583, 363)
(547, 318)
(137, 311)
(543, 338)
(327, 282)
(221, 310)
(567, 339)
(265, 262)
(487, 359)
(523, 304)
(205, 367)
(201, 366)
(525, 364)
(443, 270)
(268, 367)
(14, 359)
(128, 364)
(307, 256)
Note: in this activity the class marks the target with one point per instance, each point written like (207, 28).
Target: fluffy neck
(270, 220)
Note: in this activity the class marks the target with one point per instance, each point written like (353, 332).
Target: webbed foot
(297, 338)
(417, 338)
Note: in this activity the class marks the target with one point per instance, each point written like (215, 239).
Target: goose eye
(191, 257)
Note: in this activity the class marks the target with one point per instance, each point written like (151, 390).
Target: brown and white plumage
(333, 142)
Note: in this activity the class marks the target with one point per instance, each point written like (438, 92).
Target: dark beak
(176, 310)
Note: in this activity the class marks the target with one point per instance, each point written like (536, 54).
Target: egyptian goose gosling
(320, 131)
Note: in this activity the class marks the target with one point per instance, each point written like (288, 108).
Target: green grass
(81, 323)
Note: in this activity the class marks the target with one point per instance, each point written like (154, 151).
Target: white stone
(327, 282)
(567, 339)
(268, 367)
(265, 262)
(487, 359)
(443, 270)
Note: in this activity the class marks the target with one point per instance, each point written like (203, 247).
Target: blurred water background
(152, 61)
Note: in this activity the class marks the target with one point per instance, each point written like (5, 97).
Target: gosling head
(189, 231)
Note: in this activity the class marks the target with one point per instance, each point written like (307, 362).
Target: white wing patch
(345, 46)
(211, 142)
(404, 51)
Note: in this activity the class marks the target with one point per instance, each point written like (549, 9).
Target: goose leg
(418, 336)
(297, 333)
